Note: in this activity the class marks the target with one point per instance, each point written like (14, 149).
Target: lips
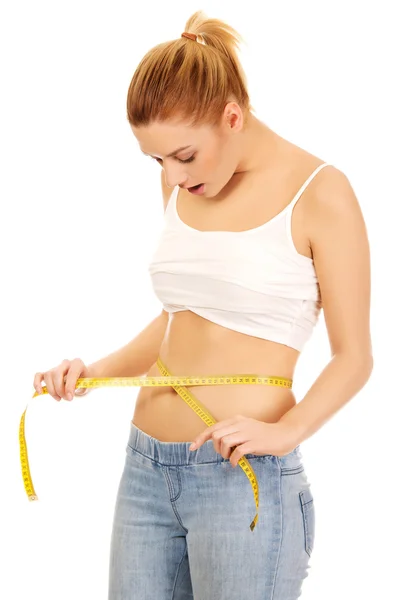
(197, 189)
(191, 187)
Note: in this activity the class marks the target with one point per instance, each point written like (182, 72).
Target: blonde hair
(187, 79)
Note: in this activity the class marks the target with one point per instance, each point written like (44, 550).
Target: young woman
(259, 234)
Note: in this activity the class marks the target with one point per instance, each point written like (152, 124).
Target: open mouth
(196, 189)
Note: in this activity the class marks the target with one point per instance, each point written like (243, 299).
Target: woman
(259, 234)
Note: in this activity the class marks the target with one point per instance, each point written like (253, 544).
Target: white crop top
(251, 281)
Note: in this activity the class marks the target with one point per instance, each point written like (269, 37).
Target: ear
(233, 117)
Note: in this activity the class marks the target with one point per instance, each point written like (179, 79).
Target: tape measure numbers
(177, 383)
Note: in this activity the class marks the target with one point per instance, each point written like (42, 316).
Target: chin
(217, 190)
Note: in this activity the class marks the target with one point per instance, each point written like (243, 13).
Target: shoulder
(328, 200)
(341, 256)
(332, 205)
(166, 191)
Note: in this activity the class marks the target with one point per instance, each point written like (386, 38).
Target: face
(208, 154)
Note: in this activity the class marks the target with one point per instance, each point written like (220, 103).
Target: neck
(258, 146)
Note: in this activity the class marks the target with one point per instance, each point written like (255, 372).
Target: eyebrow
(174, 152)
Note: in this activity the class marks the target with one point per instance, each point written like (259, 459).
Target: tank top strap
(290, 206)
(170, 211)
(172, 199)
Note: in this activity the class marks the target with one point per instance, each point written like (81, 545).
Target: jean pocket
(308, 512)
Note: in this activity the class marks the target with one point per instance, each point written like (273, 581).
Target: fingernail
(69, 396)
(192, 447)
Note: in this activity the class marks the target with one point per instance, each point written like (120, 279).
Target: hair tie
(190, 36)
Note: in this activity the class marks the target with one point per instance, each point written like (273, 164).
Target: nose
(174, 176)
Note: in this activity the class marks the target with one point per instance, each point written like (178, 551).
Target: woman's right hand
(61, 381)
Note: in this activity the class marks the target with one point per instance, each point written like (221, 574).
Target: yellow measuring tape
(177, 383)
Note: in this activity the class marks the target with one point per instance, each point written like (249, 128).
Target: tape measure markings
(177, 383)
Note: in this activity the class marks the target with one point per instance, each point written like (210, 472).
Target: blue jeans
(181, 525)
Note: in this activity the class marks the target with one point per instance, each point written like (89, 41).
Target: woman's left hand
(244, 435)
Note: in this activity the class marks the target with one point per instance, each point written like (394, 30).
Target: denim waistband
(172, 453)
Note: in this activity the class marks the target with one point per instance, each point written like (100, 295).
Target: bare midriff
(193, 345)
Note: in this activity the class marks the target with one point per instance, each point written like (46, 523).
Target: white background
(81, 208)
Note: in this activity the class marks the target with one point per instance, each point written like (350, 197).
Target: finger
(70, 381)
(238, 453)
(226, 451)
(202, 437)
(208, 433)
(48, 379)
(199, 440)
(229, 442)
(58, 378)
(37, 382)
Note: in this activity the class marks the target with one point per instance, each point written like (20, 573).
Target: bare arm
(341, 253)
(135, 358)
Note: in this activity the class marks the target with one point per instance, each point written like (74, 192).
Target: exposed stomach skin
(193, 345)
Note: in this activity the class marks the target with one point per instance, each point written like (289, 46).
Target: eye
(188, 160)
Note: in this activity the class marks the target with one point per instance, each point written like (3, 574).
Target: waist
(194, 346)
(161, 412)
